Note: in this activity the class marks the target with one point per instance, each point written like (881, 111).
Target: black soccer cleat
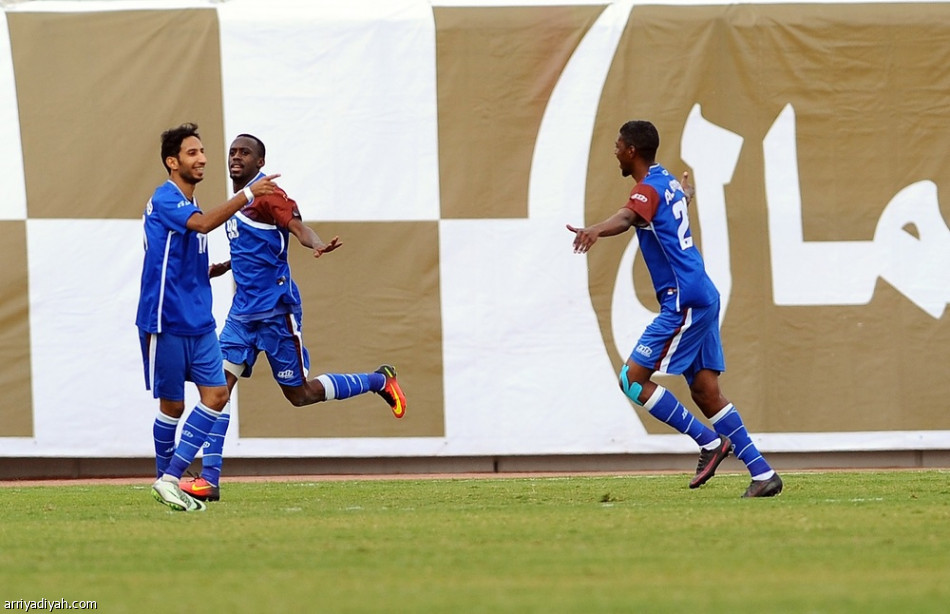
(764, 488)
(201, 489)
(709, 461)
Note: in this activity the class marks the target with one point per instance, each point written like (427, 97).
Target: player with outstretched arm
(684, 337)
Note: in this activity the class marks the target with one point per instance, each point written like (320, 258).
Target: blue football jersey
(675, 264)
(258, 237)
(175, 293)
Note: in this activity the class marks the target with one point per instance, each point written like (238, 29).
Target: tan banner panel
(111, 83)
(16, 415)
(496, 69)
(373, 301)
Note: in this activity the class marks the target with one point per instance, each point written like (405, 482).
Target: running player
(266, 313)
(684, 337)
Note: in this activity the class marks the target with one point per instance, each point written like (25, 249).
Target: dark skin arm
(308, 238)
(688, 189)
(207, 221)
(218, 269)
(618, 223)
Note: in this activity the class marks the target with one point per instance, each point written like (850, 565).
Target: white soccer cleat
(169, 493)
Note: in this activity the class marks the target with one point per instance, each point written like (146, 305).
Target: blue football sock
(163, 432)
(193, 435)
(346, 385)
(663, 406)
(212, 452)
(729, 423)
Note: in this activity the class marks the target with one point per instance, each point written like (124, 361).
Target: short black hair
(643, 136)
(172, 139)
(259, 142)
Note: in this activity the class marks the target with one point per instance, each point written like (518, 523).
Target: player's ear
(172, 162)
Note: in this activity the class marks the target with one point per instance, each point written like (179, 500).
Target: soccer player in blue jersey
(176, 327)
(684, 337)
(266, 312)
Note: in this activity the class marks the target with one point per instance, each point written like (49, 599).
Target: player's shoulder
(661, 181)
(278, 197)
(274, 201)
(657, 175)
(168, 194)
(645, 190)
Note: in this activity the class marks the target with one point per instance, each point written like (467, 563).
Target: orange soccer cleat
(391, 392)
(201, 489)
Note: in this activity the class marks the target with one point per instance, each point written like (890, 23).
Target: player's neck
(240, 184)
(187, 188)
(641, 169)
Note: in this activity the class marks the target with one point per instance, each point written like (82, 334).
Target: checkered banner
(448, 146)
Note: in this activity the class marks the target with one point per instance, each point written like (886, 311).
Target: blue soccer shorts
(681, 342)
(279, 337)
(171, 360)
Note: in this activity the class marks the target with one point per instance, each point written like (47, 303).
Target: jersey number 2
(681, 212)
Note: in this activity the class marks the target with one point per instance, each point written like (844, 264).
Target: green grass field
(832, 542)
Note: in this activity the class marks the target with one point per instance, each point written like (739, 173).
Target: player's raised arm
(688, 189)
(207, 221)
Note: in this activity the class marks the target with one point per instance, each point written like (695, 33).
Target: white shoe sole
(179, 504)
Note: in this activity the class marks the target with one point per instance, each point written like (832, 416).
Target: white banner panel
(343, 96)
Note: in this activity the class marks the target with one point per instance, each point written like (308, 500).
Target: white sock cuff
(205, 408)
(654, 398)
(166, 419)
(328, 388)
(722, 413)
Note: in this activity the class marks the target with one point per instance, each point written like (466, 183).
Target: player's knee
(216, 398)
(631, 389)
